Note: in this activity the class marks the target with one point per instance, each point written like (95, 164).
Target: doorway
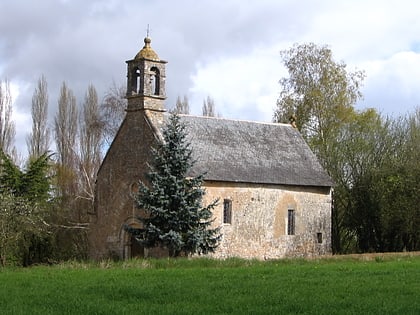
(136, 249)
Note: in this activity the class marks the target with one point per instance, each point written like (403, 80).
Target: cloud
(243, 87)
(392, 83)
(225, 49)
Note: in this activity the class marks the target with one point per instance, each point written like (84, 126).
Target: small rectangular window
(291, 222)
(319, 237)
(227, 211)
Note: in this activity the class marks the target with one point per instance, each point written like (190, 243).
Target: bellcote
(146, 80)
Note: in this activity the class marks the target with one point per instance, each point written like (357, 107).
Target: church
(274, 196)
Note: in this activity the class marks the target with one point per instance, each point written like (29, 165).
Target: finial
(147, 39)
(147, 51)
(148, 31)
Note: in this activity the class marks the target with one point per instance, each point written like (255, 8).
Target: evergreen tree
(25, 236)
(32, 184)
(175, 217)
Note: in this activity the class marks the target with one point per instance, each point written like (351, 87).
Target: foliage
(194, 286)
(372, 160)
(362, 144)
(32, 184)
(379, 205)
(25, 196)
(319, 92)
(172, 201)
(19, 219)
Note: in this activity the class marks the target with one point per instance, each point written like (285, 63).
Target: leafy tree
(18, 219)
(25, 200)
(396, 187)
(182, 106)
(319, 94)
(175, 217)
(351, 156)
(370, 158)
(318, 98)
(33, 184)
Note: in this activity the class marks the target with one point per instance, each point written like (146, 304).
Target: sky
(226, 49)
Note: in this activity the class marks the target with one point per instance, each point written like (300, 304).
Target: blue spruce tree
(175, 216)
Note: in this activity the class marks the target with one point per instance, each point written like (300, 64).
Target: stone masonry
(279, 195)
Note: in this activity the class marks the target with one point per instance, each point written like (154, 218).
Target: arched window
(291, 222)
(154, 81)
(138, 81)
(135, 81)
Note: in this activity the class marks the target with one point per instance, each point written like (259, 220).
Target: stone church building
(274, 196)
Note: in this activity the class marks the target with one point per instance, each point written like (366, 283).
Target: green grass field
(381, 285)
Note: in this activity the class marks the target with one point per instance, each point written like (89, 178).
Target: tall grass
(205, 286)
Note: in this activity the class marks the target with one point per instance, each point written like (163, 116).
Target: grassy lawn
(202, 286)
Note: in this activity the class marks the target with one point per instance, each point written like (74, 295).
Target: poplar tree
(182, 106)
(91, 134)
(175, 217)
(7, 125)
(39, 139)
(208, 108)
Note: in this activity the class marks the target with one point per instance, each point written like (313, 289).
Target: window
(290, 222)
(227, 211)
(135, 81)
(319, 237)
(154, 81)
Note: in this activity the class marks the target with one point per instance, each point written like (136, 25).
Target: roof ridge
(237, 120)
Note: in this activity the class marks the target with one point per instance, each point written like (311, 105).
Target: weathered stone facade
(260, 220)
(116, 184)
(279, 197)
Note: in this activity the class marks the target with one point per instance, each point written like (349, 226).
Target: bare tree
(91, 130)
(65, 124)
(113, 111)
(182, 106)
(209, 109)
(7, 126)
(39, 140)
(65, 132)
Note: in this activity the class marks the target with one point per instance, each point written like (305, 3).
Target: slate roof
(252, 152)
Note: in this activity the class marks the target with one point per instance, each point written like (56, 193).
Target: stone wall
(117, 181)
(259, 212)
(259, 220)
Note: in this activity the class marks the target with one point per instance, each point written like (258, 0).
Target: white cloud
(226, 49)
(244, 87)
(393, 84)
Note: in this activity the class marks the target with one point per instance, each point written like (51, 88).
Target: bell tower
(146, 80)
